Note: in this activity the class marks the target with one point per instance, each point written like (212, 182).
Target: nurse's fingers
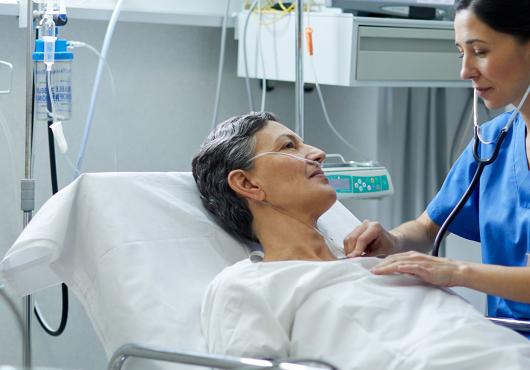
(410, 256)
(393, 267)
(370, 241)
(433, 270)
(390, 264)
(415, 269)
(350, 241)
(359, 242)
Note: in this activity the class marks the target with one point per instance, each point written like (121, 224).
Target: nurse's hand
(370, 239)
(433, 270)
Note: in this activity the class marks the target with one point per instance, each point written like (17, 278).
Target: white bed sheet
(339, 312)
(138, 250)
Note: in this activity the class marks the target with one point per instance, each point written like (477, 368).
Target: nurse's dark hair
(228, 147)
(506, 16)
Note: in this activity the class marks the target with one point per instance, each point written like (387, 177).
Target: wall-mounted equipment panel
(351, 51)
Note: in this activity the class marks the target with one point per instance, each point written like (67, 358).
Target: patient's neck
(287, 237)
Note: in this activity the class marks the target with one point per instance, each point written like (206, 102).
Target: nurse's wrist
(397, 239)
(462, 274)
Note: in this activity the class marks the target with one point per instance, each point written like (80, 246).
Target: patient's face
(291, 184)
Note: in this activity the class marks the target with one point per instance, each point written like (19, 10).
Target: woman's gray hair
(228, 147)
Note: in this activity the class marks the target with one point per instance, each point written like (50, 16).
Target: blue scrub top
(498, 215)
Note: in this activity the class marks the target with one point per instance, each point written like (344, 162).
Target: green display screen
(358, 184)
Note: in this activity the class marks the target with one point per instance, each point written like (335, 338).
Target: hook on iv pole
(10, 66)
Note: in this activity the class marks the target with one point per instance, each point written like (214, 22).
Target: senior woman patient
(264, 185)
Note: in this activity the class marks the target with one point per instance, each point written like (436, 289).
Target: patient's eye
(289, 145)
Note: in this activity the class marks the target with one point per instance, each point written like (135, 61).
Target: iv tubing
(262, 59)
(299, 79)
(221, 65)
(50, 94)
(64, 289)
(245, 58)
(81, 44)
(92, 107)
(309, 40)
(326, 116)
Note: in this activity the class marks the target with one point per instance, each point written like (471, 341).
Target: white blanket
(340, 312)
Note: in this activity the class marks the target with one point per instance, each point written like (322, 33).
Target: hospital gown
(340, 312)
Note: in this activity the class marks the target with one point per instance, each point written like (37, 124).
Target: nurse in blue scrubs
(493, 38)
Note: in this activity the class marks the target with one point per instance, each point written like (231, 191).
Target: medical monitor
(417, 9)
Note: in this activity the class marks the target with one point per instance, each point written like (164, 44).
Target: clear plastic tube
(308, 161)
(334, 248)
(47, 34)
(49, 51)
(262, 60)
(57, 126)
(309, 35)
(328, 120)
(50, 94)
(92, 107)
(81, 44)
(220, 66)
(245, 57)
(47, 28)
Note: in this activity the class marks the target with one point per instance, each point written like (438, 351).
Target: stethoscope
(482, 163)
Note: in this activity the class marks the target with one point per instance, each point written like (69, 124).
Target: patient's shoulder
(231, 289)
(239, 275)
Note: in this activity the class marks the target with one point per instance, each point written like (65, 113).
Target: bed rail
(207, 360)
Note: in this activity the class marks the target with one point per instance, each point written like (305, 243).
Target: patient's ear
(243, 186)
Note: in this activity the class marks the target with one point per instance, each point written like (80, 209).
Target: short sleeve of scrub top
(498, 213)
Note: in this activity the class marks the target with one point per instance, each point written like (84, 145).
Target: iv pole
(28, 184)
(27, 193)
(299, 66)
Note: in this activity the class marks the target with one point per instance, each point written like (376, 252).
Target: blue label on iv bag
(60, 79)
(61, 51)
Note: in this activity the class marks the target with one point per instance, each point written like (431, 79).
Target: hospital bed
(138, 250)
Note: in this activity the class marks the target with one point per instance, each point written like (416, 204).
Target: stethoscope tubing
(481, 164)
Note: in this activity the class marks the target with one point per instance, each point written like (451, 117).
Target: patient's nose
(316, 154)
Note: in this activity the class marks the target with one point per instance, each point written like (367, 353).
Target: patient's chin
(332, 198)
(325, 199)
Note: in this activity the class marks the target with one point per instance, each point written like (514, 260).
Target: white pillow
(138, 250)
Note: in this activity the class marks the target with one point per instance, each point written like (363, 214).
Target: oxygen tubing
(221, 65)
(99, 72)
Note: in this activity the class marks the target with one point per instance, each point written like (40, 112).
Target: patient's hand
(433, 270)
(370, 239)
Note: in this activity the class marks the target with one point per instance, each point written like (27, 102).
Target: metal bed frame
(208, 360)
(229, 362)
